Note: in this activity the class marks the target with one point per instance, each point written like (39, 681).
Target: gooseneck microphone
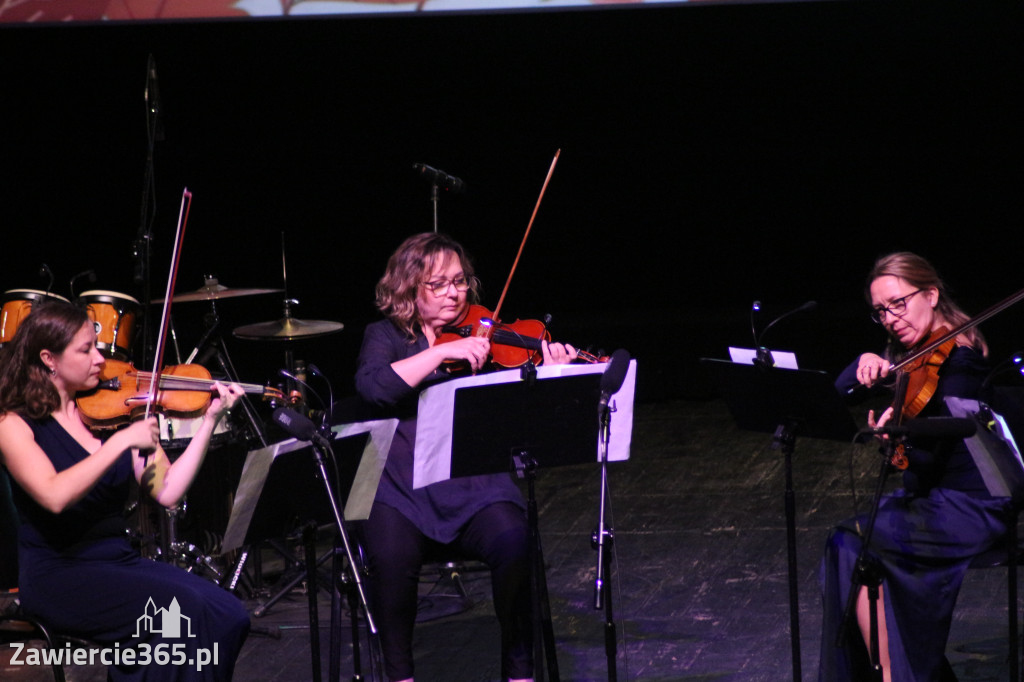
(764, 356)
(45, 271)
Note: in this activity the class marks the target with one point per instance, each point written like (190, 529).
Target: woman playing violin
(428, 283)
(77, 571)
(926, 533)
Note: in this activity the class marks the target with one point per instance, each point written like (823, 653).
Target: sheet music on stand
(438, 430)
(261, 503)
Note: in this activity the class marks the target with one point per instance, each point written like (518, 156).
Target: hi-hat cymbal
(286, 329)
(214, 291)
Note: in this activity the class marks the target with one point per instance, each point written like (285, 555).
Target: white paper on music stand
(745, 356)
(360, 498)
(436, 416)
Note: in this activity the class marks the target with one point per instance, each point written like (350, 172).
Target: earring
(53, 371)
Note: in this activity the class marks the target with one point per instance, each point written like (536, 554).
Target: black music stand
(547, 419)
(278, 492)
(786, 403)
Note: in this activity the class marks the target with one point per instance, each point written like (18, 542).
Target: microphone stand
(868, 574)
(322, 447)
(602, 541)
(142, 246)
(435, 196)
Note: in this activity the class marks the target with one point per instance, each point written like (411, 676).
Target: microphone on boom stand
(611, 382)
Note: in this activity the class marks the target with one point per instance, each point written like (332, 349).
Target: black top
(936, 463)
(438, 510)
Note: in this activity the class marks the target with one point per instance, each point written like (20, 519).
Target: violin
(182, 391)
(916, 383)
(918, 374)
(512, 345)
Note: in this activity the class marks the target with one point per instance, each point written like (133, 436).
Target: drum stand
(184, 554)
(220, 353)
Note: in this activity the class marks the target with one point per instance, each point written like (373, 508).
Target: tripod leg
(334, 665)
(309, 540)
(542, 606)
(610, 634)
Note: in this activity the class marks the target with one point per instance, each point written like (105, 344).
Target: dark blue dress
(480, 516)
(79, 574)
(924, 539)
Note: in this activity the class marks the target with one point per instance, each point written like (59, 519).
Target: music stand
(520, 421)
(267, 506)
(786, 403)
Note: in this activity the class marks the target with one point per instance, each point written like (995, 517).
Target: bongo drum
(17, 304)
(114, 316)
(175, 432)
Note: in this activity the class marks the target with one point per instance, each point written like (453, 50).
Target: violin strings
(172, 381)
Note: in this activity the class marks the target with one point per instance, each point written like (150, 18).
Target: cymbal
(286, 329)
(214, 291)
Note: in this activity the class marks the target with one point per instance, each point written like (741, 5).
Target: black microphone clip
(440, 179)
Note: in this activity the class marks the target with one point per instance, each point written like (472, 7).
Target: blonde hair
(919, 273)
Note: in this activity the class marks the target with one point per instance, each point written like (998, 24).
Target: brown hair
(25, 384)
(919, 273)
(407, 267)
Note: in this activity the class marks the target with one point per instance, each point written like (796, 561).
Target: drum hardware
(183, 554)
(287, 328)
(213, 290)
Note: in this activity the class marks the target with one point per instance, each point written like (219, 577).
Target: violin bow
(522, 245)
(158, 361)
(970, 324)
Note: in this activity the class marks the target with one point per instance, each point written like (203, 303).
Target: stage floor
(700, 580)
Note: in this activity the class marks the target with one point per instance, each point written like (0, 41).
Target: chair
(15, 624)
(1009, 402)
(1009, 554)
(448, 595)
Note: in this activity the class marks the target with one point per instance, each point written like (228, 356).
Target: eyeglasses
(896, 307)
(440, 287)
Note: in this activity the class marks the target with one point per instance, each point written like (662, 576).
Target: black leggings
(395, 551)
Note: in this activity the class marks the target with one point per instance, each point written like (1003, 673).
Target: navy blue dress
(924, 539)
(79, 574)
(480, 516)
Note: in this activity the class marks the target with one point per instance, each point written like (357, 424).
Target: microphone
(611, 380)
(87, 274)
(330, 390)
(449, 183)
(45, 271)
(764, 356)
(288, 375)
(956, 428)
(297, 426)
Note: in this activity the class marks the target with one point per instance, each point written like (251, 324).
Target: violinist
(927, 532)
(429, 283)
(78, 573)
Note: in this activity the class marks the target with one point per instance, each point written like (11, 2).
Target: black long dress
(79, 574)
(924, 539)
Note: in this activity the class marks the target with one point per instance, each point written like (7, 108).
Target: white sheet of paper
(433, 461)
(360, 498)
(745, 356)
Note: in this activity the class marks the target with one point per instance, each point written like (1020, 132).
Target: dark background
(711, 155)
